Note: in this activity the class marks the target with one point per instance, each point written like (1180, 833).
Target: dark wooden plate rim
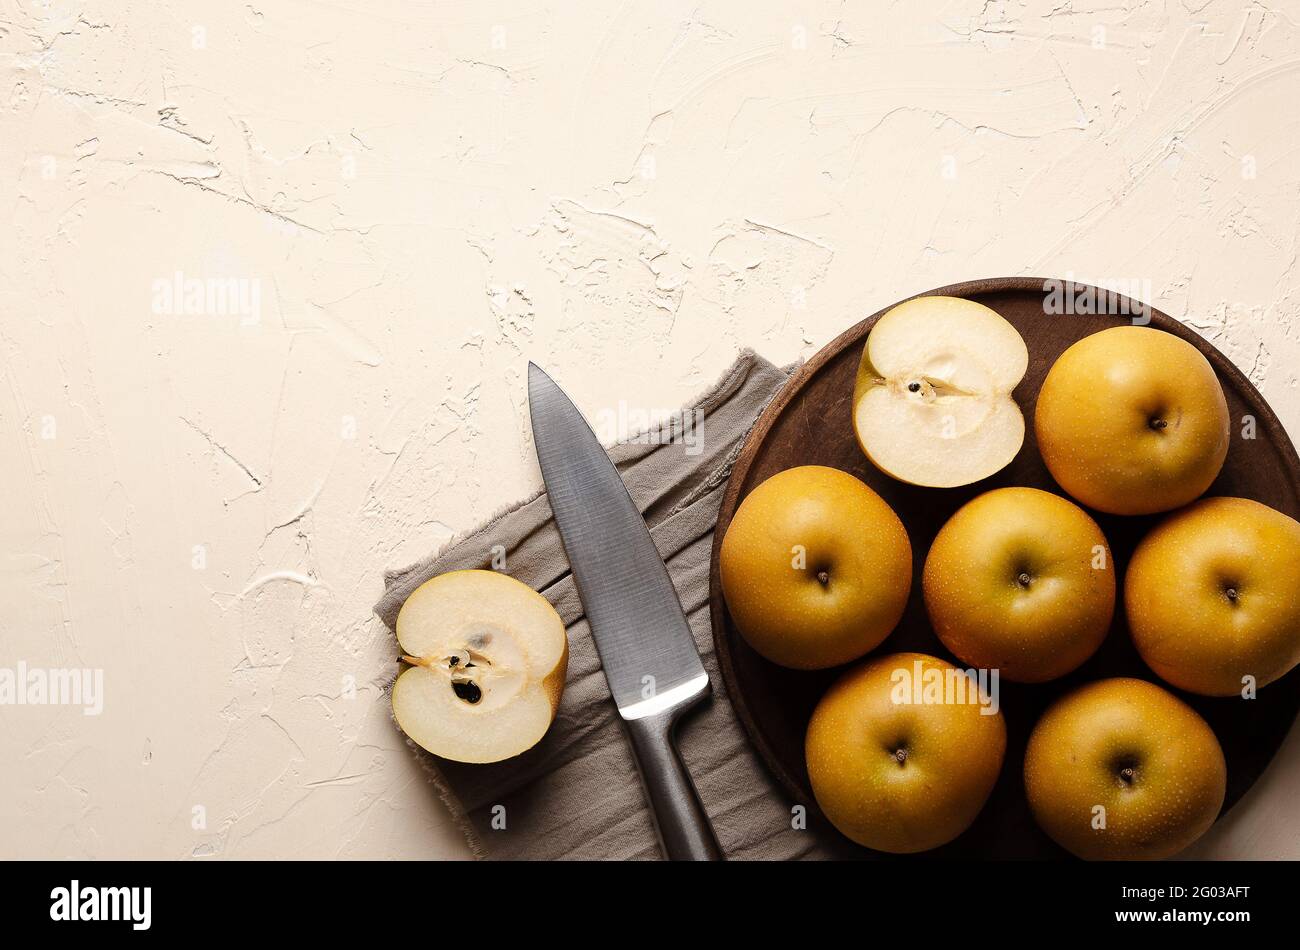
(855, 336)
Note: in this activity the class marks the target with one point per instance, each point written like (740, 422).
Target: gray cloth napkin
(576, 794)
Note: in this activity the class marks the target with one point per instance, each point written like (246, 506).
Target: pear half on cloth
(487, 656)
(932, 404)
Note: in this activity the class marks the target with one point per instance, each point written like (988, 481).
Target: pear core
(486, 659)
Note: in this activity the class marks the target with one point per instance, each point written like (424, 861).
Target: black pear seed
(468, 692)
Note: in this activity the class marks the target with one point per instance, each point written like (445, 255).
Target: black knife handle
(680, 819)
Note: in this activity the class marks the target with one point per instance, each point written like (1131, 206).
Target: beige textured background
(424, 195)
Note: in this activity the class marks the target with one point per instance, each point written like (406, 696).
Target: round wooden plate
(810, 423)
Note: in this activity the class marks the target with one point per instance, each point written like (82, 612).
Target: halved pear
(487, 658)
(932, 404)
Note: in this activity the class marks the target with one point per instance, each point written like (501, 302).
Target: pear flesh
(486, 659)
(932, 404)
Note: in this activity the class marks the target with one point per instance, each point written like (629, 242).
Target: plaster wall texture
(272, 271)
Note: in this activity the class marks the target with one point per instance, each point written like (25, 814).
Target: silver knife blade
(636, 618)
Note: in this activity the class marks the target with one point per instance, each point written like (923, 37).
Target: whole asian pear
(815, 568)
(903, 752)
(1132, 421)
(1122, 770)
(1022, 581)
(1213, 596)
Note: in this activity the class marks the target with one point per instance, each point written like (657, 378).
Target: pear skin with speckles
(1132, 421)
(903, 752)
(1023, 581)
(1120, 769)
(815, 568)
(1211, 596)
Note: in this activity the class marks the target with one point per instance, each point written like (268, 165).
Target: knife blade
(645, 644)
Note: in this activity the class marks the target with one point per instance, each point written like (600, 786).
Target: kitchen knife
(645, 644)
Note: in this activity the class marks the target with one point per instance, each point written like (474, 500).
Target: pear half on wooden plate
(932, 404)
